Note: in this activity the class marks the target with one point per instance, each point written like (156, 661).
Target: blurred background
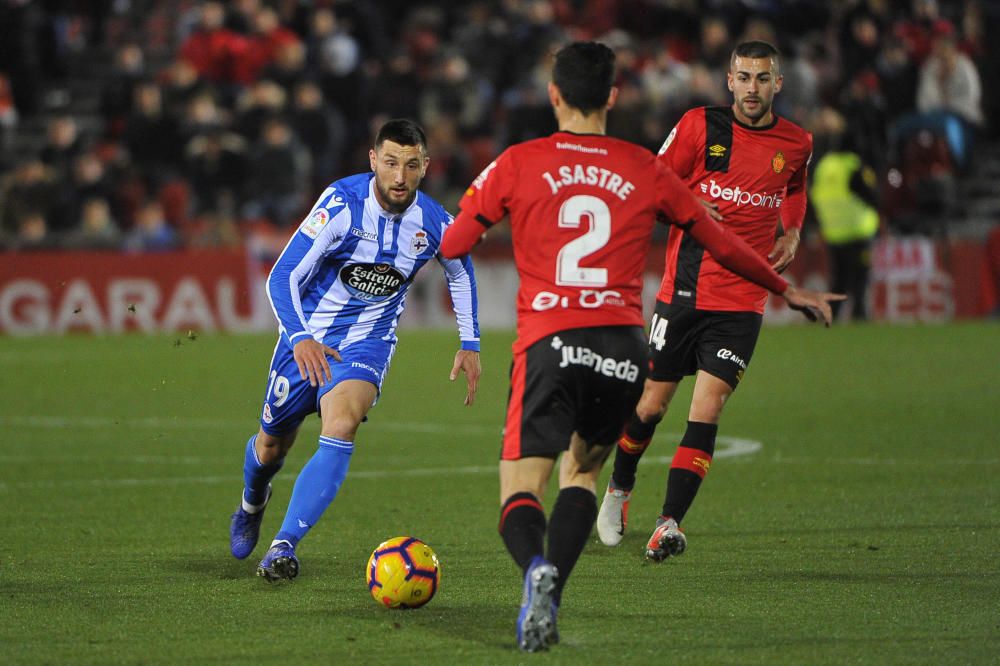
(155, 155)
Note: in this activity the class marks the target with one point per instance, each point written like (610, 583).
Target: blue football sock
(315, 488)
(256, 475)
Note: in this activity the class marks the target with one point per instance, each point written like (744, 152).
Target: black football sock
(689, 467)
(570, 524)
(522, 527)
(631, 445)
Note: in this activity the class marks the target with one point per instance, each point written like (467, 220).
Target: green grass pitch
(865, 529)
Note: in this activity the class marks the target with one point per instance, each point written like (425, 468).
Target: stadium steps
(981, 198)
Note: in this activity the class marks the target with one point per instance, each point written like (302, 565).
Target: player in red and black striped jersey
(749, 167)
(582, 208)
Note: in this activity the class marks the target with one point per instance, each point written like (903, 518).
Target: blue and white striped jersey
(344, 274)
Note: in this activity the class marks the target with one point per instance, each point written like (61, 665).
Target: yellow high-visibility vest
(843, 216)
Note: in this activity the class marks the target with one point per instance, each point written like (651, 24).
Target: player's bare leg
(690, 465)
(342, 410)
(652, 406)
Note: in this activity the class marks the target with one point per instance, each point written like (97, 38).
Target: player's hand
(784, 250)
(712, 209)
(310, 356)
(815, 305)
(467, 362)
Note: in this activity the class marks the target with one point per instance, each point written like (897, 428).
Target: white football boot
(613, 516)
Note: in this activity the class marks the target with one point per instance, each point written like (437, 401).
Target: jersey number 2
(572, 214)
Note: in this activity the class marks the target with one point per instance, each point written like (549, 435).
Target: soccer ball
(403, 572)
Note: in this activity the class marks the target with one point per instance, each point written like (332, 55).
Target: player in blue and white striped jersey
(337, 290)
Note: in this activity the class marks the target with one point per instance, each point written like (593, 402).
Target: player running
(582, 208)
(337, 290)
(749, 164)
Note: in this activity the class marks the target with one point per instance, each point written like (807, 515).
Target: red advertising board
(97, 292)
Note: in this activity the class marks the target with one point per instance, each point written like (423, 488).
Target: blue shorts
(289, 399)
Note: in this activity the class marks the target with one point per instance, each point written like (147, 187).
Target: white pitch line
(188, 423)
(726, 447)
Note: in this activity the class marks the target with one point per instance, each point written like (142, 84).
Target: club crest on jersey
(371, 283)
(419, 242)
(778, 162)
(315, 223)
(718, 150)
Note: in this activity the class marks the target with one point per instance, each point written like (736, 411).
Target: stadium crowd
(216, 121)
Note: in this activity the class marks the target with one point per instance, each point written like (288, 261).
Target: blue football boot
(244, 529)
(536, 624)
(279, 563)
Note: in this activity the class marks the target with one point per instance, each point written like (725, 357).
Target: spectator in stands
(278, 171)
(216, 52)
(864, 104)
(334, 55)
(949, 81)
(151, 231)
(32, 233)
(180, 86)
(897, 74)
(266, 41)
(96, 228)
(395, 89)
(860, 38)
(90, 180)
(242, 16)
(262, 101)
(152, 137)
(666, 82)
(456, 91)
(203, 114)
(322, 130)
(216, 167)
(916, 29)
(62, 146)
(31, 189)
(483, 39)
(289, 67)
(8, 111)
(450, 162)
(715, 47)
(118, 94)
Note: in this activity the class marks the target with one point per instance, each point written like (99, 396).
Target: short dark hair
(756, 49)
(584, 73)
(403, 131)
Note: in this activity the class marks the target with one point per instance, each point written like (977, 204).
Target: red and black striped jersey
(754, 174)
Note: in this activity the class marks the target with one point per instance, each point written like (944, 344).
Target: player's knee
(651, 411)
(272, 448)
(341, 427)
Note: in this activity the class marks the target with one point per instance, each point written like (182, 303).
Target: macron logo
(741, 197)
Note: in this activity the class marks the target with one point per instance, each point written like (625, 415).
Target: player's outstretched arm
(815, 305)
(468, 362)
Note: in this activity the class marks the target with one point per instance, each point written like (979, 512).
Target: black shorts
(583, 380)
(683, 340)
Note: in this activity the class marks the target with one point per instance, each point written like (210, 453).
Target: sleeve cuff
(470, 345)
(301, 334)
